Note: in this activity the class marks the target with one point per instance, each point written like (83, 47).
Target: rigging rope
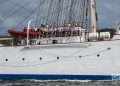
(17, 9)
(58, 12)
(49, 11)
(27, 17)
(38, 19)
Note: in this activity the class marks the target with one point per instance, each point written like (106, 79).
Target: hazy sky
(108, 12)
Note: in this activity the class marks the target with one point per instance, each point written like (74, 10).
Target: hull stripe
(54, 77)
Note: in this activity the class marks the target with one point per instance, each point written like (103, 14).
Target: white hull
(92, 58)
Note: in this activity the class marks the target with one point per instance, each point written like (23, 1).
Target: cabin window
(39, 43)
(54, 41)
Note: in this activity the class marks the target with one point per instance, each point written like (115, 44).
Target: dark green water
(59, 83)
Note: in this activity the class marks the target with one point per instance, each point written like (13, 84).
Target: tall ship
(68, 49)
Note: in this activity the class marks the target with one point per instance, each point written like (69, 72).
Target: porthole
(80, 56)
(109, 48)
(6, 60)
(58, 58)
(40, 58)
(23, 59)
(98, 55)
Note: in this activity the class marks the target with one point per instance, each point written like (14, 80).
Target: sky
(108, 12)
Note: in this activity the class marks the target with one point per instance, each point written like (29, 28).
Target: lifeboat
(23, 34)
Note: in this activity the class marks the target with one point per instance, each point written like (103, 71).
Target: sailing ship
(62, 51)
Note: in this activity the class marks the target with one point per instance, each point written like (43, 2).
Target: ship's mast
(93, 16)
(28, 28)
